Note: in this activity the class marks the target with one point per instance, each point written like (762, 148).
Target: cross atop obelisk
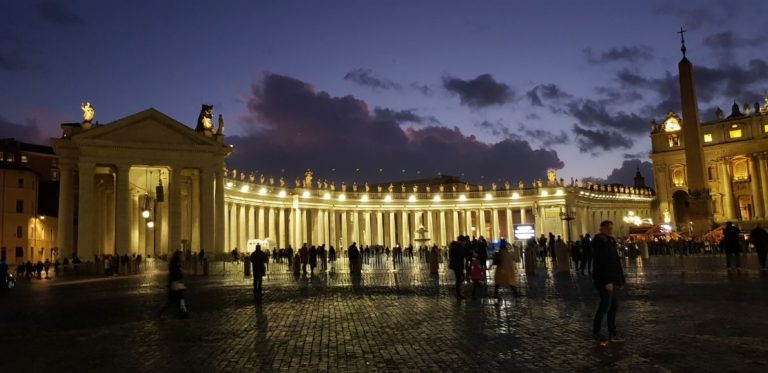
(682, 40)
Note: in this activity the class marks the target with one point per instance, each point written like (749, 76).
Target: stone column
(345, 241)
(87, 207)
(292, 228)
(332, 232)
(392, 229)
(66, 215)
(281, 228)
(272, 229)
(379, 228)
(195, 236)
(430, 225)
(242, 228)
(233, 224)
(175, 206)
(219, 210)
(495, 224)
(122, 210)
(763, 171)
(136, 222)
(206, 210)
(725, 180)
(367, 227)
(443, 229)
(468, 222)
(754, 183)
(227, 214)
(510, 225)
(251, 223)
(481, 223)
(405, 237)
(301, 227)
(260, 224)
(456, 228)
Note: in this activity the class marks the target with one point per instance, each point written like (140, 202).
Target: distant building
(28, 202)
(729, 171)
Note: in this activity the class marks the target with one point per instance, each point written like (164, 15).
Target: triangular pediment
(150, 127)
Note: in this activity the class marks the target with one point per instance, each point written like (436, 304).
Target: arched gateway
(144, 184)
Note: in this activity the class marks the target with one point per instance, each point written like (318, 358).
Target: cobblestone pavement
(676, 314)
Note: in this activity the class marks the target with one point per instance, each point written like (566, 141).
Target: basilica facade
(147, 184)
(723, 163)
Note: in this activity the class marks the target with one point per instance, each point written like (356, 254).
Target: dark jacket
(730, 241)
(258, 261)
(607, 265)
(456, 256)
(759, 238)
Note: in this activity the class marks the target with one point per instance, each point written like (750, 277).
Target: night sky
(364, 90)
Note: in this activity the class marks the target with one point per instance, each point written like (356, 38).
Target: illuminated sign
(524, 231)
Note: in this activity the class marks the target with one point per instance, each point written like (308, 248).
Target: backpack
(476, 273)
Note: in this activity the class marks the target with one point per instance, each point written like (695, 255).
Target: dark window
(19, 232)
(19, 252)
(710, 173)
(21, 182)
(19, 206)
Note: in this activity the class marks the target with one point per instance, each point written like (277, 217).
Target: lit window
(674, 141)
(24, 159)
(765, 128)
(11, 158)
(735, 134)
(707, 137)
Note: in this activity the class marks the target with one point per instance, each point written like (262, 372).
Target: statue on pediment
(551, 177)
(354, 186)
(252, 177)
(297, 183)
(466, 187)
(390, 188)
(428, 188)
(415, 188)
(507, 185)
(520, 185)
(220, 131)
(343, 186)
(234, 174)
(261, 179)
(367, 187)
(88, 112)
(453, 188)
(441, 188)
(480, 188)
(402, 188)
(333, 186)
(271, 180)
(379, 188)
(493, 186)
(282, 181)
(242, 176)
(204, 123)
(308, 178)
(325, 184)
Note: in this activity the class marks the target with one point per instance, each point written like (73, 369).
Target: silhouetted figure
(258, 262)
(608, 277)
(456, 262)
(730, 244)
(175, 286)
(759, 239)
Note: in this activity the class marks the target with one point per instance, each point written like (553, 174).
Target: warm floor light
(488, 197)
(229, 184)
(305, 194)
(364, 198)
(387, 198)
(263, 191)
(342, 197)
(515, 195)
(412, 198)
(462, 197)
(436, 198)
(282, 194)
(245, 188)
(327, 196)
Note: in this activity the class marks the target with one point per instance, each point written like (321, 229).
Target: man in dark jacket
(759, 239)
(730, 244)
(456, 261)
(258, 261)
(608, 276)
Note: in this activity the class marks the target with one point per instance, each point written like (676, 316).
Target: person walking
(355, 267)
(759, 239)
(312, 259)
(730, 244)
(608, 277)
(434, 261)
(175, 286)
(477, 277)
(258, 261)
(586, 254)
(304, 257)
(505, 271)
(456, 261)
(332, 258)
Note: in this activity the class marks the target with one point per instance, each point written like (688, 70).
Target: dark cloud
(364, 77)
(26, 132)
(421, 88)
(479, 92)
(596, 141)
(636, 155)
(591, 113)
(546, 138)
(293, 127)
(532, 116)
(635, 53)
(626, 173)
(547, 92)
(714, 85)
(403, 116)
(694, 16)
(57, 13)
(727, 41)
